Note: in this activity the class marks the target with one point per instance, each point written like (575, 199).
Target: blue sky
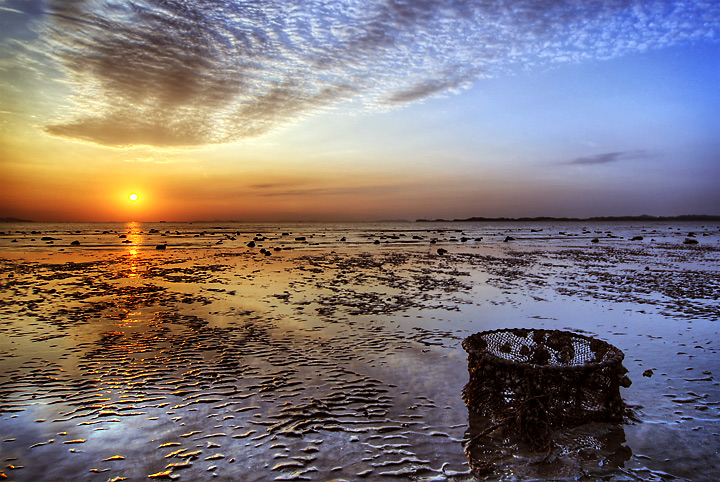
(359, 110)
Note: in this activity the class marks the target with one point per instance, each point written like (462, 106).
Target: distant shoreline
(685, 217)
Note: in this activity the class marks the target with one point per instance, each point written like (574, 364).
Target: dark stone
(75, 243)
(508, 238)
(637, 238)
(161, 246)
(595, 240)
(251, 244)
(690, 241)
(300, 238)
(648, 373)
(377, 241)
(441, 251)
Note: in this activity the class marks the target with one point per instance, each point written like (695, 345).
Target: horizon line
(642, 217)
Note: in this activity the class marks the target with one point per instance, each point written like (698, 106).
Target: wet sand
(343, 362)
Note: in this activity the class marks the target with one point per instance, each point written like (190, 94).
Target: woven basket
(551, 377)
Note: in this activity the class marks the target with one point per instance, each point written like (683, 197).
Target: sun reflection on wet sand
(134, 234)
(133, 263)
(132, 257)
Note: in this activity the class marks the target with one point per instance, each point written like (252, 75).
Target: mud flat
(341, 360)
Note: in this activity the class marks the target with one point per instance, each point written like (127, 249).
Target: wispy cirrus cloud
(191, 73)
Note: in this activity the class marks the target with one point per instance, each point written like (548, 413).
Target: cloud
(607, 158)
(303, 188)
(190, 73)
(32, 7)
(360, 191)
(11, 10)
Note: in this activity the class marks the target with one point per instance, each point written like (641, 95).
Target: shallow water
(341, 360)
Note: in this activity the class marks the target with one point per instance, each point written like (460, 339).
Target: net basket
(545, 378)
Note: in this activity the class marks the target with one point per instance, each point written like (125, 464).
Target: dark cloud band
(608, 157)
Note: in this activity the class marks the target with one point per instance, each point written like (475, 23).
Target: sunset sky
(357, 110)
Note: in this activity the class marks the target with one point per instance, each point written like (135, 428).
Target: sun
(133, 197)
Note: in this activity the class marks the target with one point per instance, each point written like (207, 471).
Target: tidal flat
(333, 352)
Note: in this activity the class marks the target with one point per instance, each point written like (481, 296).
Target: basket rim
(467, 345)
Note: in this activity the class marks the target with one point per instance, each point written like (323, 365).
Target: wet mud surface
(343, 363)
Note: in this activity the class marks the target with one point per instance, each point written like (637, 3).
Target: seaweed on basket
(533, 382)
